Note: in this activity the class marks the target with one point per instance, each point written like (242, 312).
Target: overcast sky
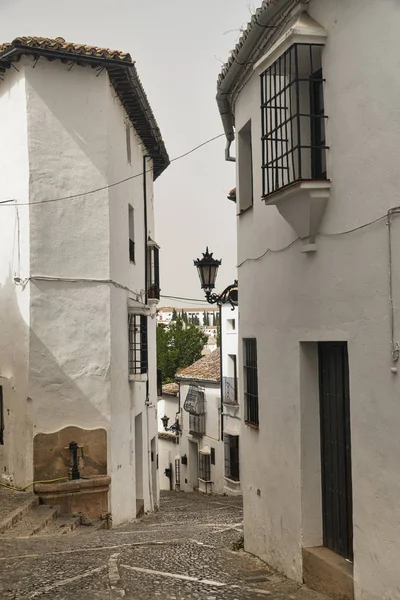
(178, 46)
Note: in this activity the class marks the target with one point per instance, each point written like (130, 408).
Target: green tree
(206, 318)
(174, 314)
(178, 347)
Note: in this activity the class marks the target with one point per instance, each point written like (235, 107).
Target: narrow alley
(183, 551)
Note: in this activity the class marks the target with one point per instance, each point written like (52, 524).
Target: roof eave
(155, 146)
(228, 79)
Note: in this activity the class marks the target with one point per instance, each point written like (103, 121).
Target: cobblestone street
(182, 552)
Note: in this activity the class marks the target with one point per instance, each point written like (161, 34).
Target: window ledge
(252, 425)
(205, 480)
(138, 377)
(302, 204)
(233, 482)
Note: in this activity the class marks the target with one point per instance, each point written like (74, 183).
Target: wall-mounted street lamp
(207, 268)
(175, 427)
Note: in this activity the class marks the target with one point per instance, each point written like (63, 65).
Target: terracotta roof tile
(59, 44)
(123, 77)
(171, 389)
(205, 369)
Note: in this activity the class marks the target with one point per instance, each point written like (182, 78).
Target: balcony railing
(230, 395)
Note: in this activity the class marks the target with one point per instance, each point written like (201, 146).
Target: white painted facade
(168, 449)
(192, 445)
(290, 301)
(232, 411)
(65, 274)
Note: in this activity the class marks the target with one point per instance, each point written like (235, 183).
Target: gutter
(255, 34)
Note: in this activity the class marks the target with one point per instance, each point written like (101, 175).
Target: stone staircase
(30, 518)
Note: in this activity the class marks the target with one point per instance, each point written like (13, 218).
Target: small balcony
(230, 392)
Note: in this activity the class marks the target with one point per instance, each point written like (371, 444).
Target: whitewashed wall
(16, 454)
(69, 134)
(212, 439)
(168, 450)
(340, 293)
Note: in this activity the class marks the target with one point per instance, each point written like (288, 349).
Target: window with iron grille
(177, 473)
(197, 424)
(137, 326)
(231, 457)
(205, 467)
(250, 380)
(153, 270)
(293, 119)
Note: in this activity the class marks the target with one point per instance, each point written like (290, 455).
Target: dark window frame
(138, 344)
(232, 464)
(293, 119)
(250, 370)
(131, 225)
(205, 467)
(153, 269)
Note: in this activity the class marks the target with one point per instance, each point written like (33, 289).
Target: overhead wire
(108, 186)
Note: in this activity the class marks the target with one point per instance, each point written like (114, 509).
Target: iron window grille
(205, 467)
(251, 381)
(159, 383)
(153, 270)
(197, 425)
(293, 119)
(177, 473)
(231, 443)
(138, 351)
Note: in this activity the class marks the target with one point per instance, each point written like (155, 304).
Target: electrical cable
(181, 298)
(111, 185)
(322, 234)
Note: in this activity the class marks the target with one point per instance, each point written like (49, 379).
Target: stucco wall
(16, 454)
(212, 439)
(168, 449)
(340, 293)
(72, 129)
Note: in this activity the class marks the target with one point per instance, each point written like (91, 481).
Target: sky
(179, 47)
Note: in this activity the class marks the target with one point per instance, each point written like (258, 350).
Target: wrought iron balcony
(197, 425)
(230, 395)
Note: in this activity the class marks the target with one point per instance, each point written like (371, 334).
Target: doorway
(193, 465)
(334, 393)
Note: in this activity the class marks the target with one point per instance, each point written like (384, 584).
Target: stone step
(62, 525)
(15, 515)
(34, 521)
(94, 526)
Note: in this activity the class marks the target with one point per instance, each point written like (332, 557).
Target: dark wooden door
(336, 448)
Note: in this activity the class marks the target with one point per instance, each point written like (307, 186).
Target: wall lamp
(207, 268)
(175, 427)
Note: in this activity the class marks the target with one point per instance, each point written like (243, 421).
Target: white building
(201, 443)
(232, 413)
(168, 451)
(310, 96)
(77, 264)
(198, 316)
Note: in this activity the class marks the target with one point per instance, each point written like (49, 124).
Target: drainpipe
(149, 465)
(262, 19)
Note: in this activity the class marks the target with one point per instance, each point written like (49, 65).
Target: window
(293, 118)
(230, 325)
(159, 383)
(131, 222)
(250, 381)
(231, 443)
(230, 395)
(205, 467)
(197, 425)
(213, 456)
(137, 344)
(245, 173)
(128, 141)
(1, 417)
(153, 270)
